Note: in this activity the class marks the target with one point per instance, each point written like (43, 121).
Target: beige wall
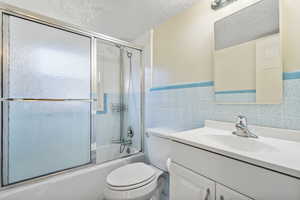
(291, 35)
(225, 70)
(182, 46)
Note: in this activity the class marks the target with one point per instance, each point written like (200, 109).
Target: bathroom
(150, 100)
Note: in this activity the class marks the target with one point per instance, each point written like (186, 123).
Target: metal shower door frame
(7, 10)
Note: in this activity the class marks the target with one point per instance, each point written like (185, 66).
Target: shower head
(119, 46)
(217, 4)
(129, 54)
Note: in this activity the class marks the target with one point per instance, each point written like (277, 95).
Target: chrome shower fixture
(130, 132)
(217, 4)
(118, 107)
(129, 54)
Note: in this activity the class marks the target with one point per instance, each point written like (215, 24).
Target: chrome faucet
(242, 128)
(125, 142)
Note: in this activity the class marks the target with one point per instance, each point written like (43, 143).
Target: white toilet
(139, 181)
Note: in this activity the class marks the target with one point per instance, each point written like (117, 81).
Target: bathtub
(82, 184)
(112, 151)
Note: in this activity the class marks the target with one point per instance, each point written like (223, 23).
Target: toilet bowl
(140, 181)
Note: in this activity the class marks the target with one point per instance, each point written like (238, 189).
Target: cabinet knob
(222, 197)
(207, 193)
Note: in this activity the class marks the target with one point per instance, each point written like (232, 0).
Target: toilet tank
(159, 147)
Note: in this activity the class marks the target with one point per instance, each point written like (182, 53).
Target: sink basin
(240, 143)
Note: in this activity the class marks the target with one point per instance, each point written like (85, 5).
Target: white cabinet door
(185, 184)
(224, 193)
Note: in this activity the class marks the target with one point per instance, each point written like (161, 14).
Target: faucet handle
(241, 120)
(242, 128)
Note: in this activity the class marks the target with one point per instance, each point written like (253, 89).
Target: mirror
(247, 55)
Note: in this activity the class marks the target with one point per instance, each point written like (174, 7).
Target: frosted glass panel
(122, 105)
(45, 137)
(46, 62)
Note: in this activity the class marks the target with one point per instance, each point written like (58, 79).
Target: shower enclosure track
(30, 99)
(15, 11)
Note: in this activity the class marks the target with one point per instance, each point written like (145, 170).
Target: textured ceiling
(124, 19)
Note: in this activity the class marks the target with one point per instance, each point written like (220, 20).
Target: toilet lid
(130, 175)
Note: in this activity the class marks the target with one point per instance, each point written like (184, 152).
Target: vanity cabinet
(185, 184)
(194, 170)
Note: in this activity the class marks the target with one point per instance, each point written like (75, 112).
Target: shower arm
(218, 4)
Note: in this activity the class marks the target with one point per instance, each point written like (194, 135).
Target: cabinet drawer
(185, 184)
(255, 182)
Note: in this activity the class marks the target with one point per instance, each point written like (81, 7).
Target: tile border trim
(291, 75)
(235, 92)
(285, 75)
(183, 86)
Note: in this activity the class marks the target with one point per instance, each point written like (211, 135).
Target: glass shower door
(46, 96)
(118, 120)
(108, 119)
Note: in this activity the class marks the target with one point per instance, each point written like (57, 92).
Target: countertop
(272, 153)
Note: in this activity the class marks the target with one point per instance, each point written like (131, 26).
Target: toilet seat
(132, 187)
(130, 176)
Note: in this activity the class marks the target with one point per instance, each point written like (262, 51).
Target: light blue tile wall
(183, 108)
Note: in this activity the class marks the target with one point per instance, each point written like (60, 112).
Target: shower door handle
(207, 194)
(100, 95)
(97, 67)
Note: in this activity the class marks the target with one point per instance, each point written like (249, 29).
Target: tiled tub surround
(183, 107)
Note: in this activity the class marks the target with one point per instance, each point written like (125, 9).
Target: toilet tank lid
(160, 132)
